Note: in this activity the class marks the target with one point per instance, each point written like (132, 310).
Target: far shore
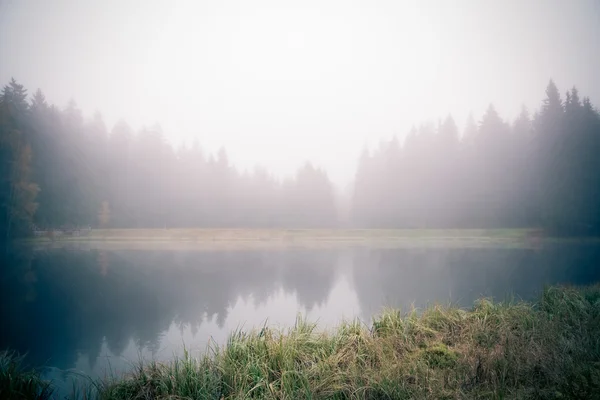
(310, 238)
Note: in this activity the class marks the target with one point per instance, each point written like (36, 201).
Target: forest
(59, 168)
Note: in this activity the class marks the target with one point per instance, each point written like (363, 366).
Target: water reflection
(60, 304)
(88, 309)
(417, 277)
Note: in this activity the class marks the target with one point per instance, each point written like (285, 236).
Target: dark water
(89, 310)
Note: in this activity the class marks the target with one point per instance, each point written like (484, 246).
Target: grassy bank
(546, 350)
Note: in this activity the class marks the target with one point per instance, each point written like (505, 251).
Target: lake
(97, 309)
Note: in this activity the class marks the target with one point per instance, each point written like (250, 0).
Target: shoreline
(491, 350)
(284, 233)
(284, 239)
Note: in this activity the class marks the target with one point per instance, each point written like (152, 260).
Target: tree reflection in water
(61, 305)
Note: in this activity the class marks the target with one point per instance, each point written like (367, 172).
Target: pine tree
(17, 191)
(549, 126)
(552, 107)
(14, 96)
(104, 214)
(360, 196)
(524, 158)
(22, 206)
(38, 102)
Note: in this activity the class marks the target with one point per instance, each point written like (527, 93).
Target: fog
(300, 115)
(281, 83)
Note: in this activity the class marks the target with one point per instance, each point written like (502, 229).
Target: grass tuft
(440, 356)
(17, 382)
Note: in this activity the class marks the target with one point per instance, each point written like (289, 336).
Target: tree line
(538, 171)
(58, 168)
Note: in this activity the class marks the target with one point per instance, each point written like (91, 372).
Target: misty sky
(278, 82)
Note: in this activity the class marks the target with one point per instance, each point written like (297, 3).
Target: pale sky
(279, 82)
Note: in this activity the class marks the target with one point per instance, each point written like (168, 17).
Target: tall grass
(546, 350)
(18, 382)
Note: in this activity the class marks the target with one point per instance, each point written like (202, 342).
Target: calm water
(90, 310)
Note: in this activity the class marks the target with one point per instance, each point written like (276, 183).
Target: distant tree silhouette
(538, 171)
(17, 190)
(80, 168)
